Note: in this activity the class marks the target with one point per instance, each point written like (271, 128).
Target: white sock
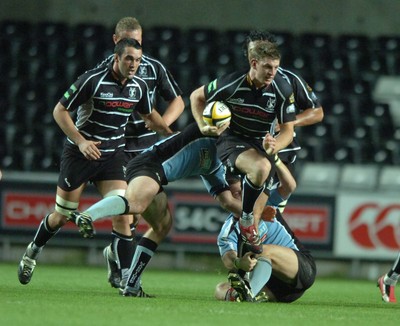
(260, 274)
(109, 206)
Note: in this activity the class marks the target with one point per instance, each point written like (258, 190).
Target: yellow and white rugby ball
(216, 113)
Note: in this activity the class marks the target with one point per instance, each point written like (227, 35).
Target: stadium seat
(201, 36)
(51, 31)
(389, 179)
(388, 43)
(16, 30)
(318, 148)
(359, 177)
(354, 42)
(393, 147)
(319, 175)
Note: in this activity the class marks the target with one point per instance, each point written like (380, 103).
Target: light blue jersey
(276, 233)
(188, 154)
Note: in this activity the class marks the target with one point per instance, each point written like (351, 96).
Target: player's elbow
(320, 114)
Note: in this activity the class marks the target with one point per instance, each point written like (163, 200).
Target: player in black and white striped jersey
(93, 152)
(256, 98)
(309, 111)
(138, 135)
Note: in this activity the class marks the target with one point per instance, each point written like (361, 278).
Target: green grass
(65, 295)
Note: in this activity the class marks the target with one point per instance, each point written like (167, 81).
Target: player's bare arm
(87, 147)
(247, 262)
(155, 122)
(197, 104)
(285, 136)
(229, 203)
(309, 117)
(174, 110)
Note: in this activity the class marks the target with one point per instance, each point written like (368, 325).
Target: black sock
(144, 252)
(124, 249)
(44, 233)
(250, 193)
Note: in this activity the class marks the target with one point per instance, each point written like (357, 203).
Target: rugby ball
(216, 113)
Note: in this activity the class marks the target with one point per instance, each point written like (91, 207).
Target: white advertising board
(367, 226)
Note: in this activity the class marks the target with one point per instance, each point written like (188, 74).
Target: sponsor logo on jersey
(236, 100)
(250, 111)
(107, 95)
(212, 86)
(67, 182)
(71, 90)
(205, 160)
(291, 109)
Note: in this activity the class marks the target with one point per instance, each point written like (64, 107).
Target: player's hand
(269, 143)
(213, 130)
(268, 214)
(247, 262)
(89, 149)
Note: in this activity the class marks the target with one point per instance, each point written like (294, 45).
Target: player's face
(135, 34)
(264, 71)
(129, 62)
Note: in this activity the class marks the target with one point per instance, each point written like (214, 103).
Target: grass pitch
(70, 295)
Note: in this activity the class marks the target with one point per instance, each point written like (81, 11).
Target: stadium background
(346, 206)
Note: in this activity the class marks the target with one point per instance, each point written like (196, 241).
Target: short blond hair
(263, 49)
(127, 24)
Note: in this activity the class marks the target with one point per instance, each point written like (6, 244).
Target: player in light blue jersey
(182, 155)
(283, 271)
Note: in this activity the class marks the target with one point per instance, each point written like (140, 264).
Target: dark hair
(125, 42)
(257, 35)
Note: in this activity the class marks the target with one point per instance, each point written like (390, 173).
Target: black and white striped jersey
(104, 105)
(159, 81)
(253, 110)
(304, 98)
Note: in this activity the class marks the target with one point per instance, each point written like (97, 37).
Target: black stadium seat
(342, 70)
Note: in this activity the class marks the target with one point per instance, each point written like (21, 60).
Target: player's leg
(120, 252)
(284, 262)
(66, 202)
(256, 169)
(387, 282)
(158, 216)
(293, 272)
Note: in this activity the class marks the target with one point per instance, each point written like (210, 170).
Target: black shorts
(130, 156)
(289, 159)
(76, 170)
(229, 147)
(285, 292)
(146, 164)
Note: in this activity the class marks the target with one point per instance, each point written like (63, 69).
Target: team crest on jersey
(291, 98)
(271, 103)
(132, 92)
(143, 72)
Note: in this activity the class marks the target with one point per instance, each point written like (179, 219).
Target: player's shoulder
(283, 84)
(148, 59)
(292, 77)
(138, 81)
(230, 78)
(94, 74)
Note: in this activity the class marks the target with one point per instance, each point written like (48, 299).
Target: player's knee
(220, 290)
(163, 226)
